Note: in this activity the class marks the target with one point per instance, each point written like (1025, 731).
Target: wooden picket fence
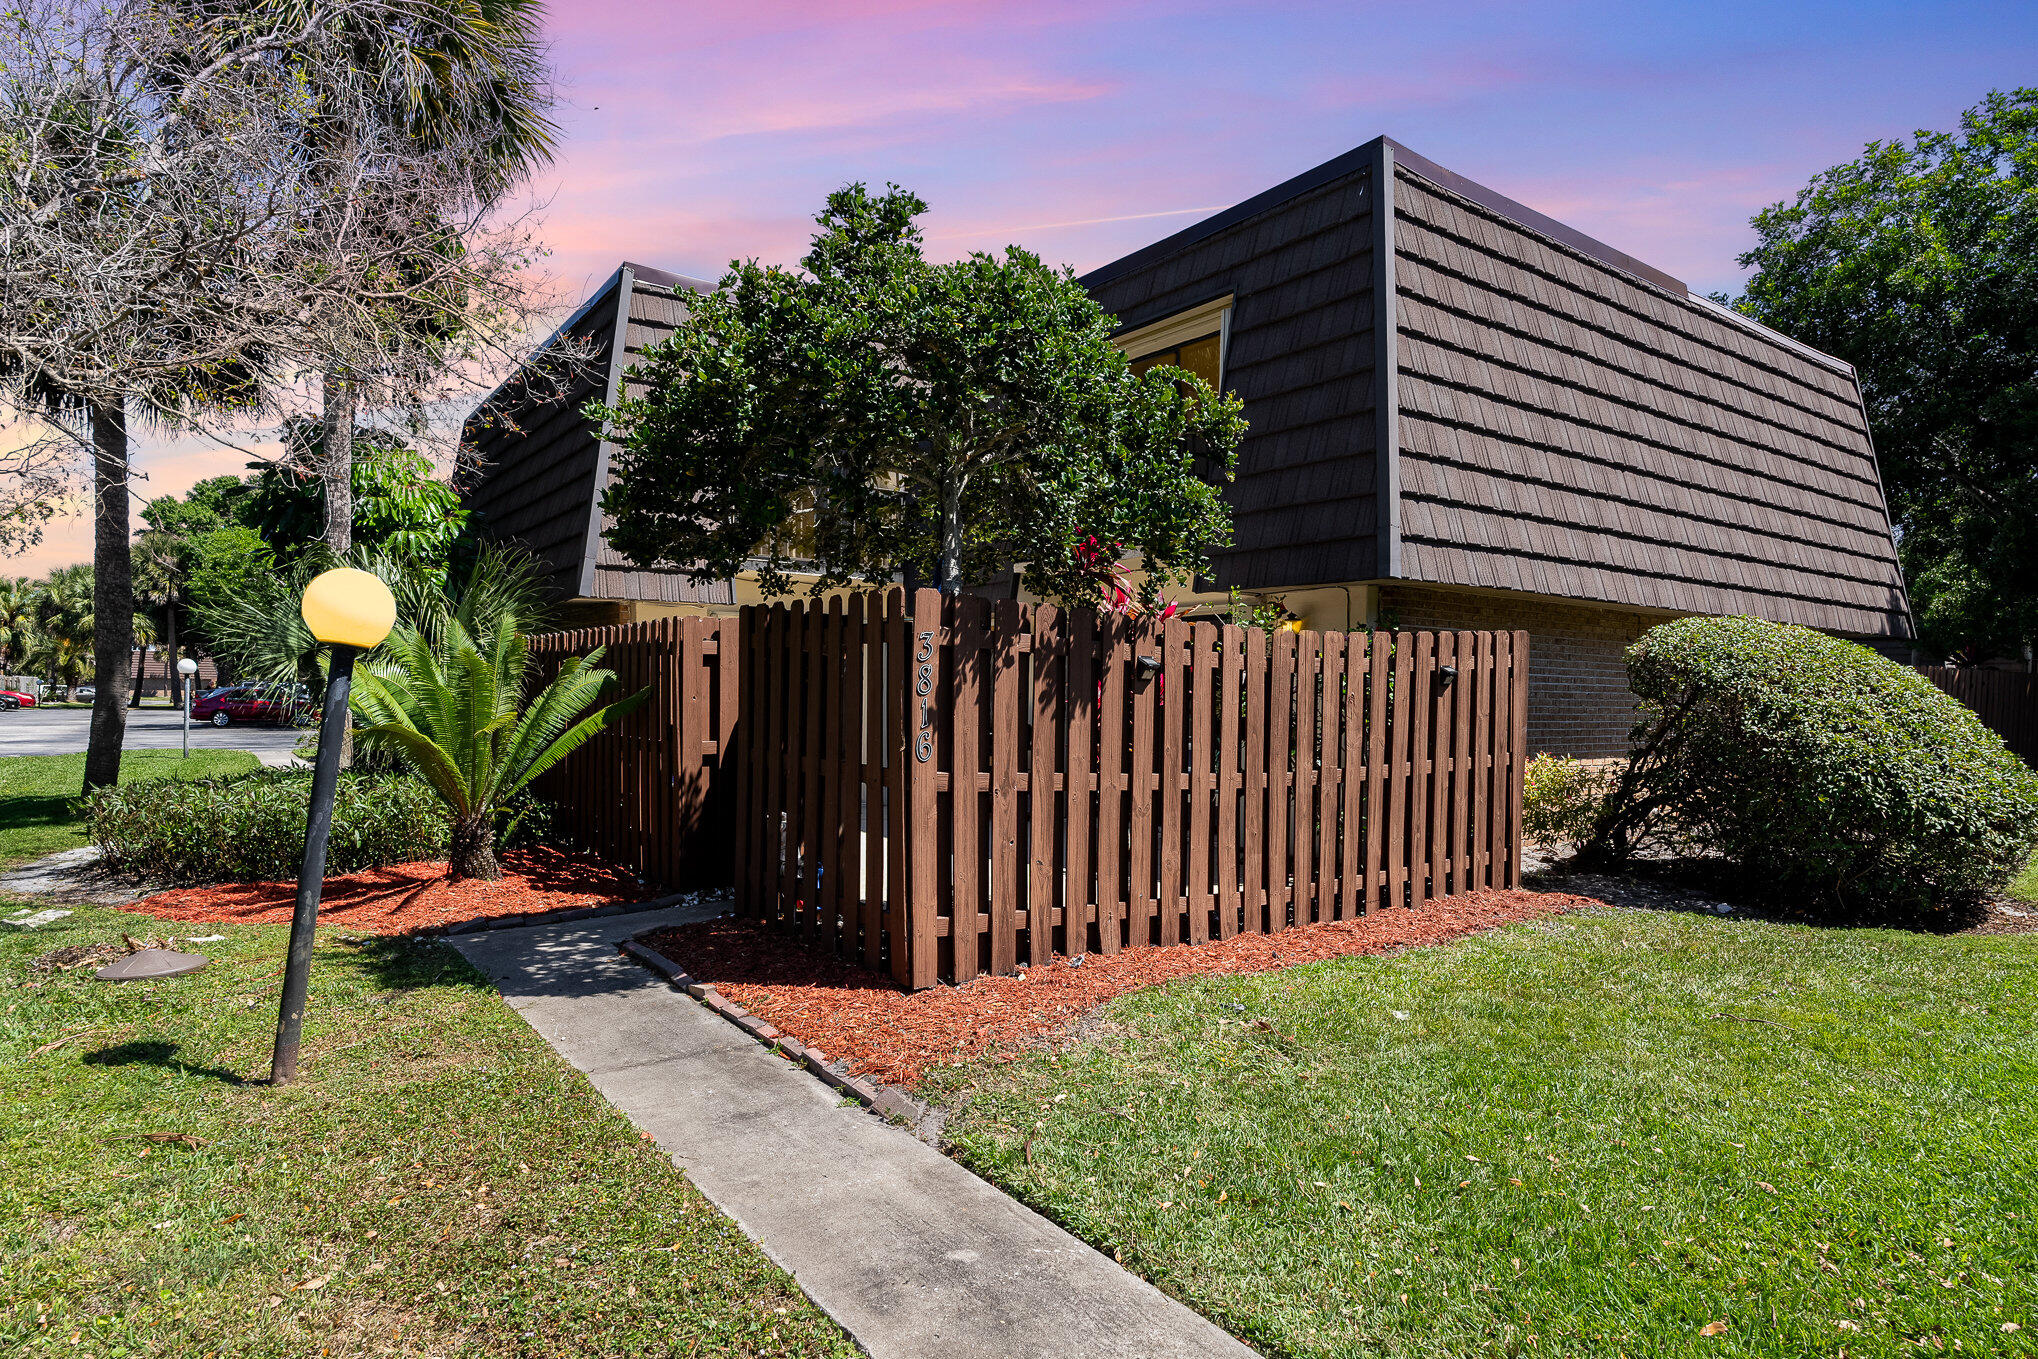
(651, 794)
(2006, 701)
(971, 787)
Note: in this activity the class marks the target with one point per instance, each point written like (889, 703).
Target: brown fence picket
(1080, 801)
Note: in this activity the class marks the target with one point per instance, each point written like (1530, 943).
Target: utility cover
(150, 964)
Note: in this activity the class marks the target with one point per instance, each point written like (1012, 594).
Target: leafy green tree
(455, 708)
(398, 506)
(879, 413)
(1918, 264)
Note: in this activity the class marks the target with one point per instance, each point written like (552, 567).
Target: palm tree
(472, 67)
(455, 709)
(17, 618)
(64, 628)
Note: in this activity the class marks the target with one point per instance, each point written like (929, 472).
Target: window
(1194, 339)
(1199, 356)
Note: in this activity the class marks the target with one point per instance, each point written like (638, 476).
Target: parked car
(251, 703)
(20, 699)
(8, 701)
(84, 693)
(216, 706)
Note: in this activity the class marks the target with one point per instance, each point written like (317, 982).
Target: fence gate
(971, 786)
(650, 793)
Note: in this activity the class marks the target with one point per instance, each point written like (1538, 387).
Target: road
(62, 731)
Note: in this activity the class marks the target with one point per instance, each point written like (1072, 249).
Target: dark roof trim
(1386, 371)
(1350, 163)
(1357, 160)
(1535, 221)
(626, 278)
(641, 273)
(664, 278)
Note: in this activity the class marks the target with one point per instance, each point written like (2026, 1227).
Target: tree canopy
(1918, 264)
(876, 412)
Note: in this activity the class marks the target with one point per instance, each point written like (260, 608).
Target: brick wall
(1579, 704)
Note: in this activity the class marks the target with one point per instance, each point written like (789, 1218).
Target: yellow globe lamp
(350, 611)
(349, 608)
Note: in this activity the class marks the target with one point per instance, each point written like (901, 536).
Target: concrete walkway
(913, 1255)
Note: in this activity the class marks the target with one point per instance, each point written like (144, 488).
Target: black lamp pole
(311, 876)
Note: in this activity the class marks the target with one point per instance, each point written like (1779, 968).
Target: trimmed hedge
(250, 827)
(1832, 776)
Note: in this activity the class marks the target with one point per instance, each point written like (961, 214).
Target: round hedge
(1827, 772)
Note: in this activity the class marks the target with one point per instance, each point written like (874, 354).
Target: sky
(1083, 129)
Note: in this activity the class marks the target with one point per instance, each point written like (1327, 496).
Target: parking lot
(62, 731)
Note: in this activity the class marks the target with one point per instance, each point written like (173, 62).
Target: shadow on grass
(157, 1052)
(1701, 886)
(28, 812)
(407, 962)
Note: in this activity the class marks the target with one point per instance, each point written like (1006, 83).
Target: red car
(21, 700)
(244, 703)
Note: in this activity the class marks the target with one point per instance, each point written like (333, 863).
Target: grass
(2024, 887)
(437, 1183)
(39, 793)
(1606, 1135)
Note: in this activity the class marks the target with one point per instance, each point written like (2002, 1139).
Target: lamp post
(187, 668)
(350, 611)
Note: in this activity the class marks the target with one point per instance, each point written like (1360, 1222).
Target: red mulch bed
(897, 1036)
(402, 898)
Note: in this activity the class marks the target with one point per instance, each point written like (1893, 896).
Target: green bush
(1560, 799)
(1834, 778)
(250, 827)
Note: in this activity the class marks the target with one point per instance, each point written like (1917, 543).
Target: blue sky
(1087, 129)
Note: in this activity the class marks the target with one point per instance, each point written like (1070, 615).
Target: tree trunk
(171, 655)
(472, 854)
(336, 468)
(336, 471)
(112, 596)
(141, 658)
(951, 536)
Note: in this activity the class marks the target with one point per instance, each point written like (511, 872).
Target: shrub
(1560, 800)
(249, 827)
(1824, 771)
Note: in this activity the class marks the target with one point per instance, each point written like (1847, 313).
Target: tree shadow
(157, 1052)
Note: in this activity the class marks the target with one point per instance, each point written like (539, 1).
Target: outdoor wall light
(1146, 667)
(1446, 674)
(351, 611)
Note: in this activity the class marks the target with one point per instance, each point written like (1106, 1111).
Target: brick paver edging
(884, 1099)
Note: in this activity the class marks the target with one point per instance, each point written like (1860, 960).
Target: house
(1463, 415)
(533, 467)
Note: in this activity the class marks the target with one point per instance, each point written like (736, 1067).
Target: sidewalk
(916, 1257)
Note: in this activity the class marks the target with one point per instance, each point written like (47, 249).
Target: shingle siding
(1300, 353)
(534, 470)
(529, 465)
(1567, 429)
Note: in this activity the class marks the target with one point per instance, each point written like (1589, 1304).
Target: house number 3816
(923, 746)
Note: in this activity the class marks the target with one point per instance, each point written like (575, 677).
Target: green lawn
(438, 1183)
(2024, 887)
(39, 793)
(1602, 1135)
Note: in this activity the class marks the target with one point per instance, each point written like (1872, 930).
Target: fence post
(927, 648)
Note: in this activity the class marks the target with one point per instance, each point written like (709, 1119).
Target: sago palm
(454, 708)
